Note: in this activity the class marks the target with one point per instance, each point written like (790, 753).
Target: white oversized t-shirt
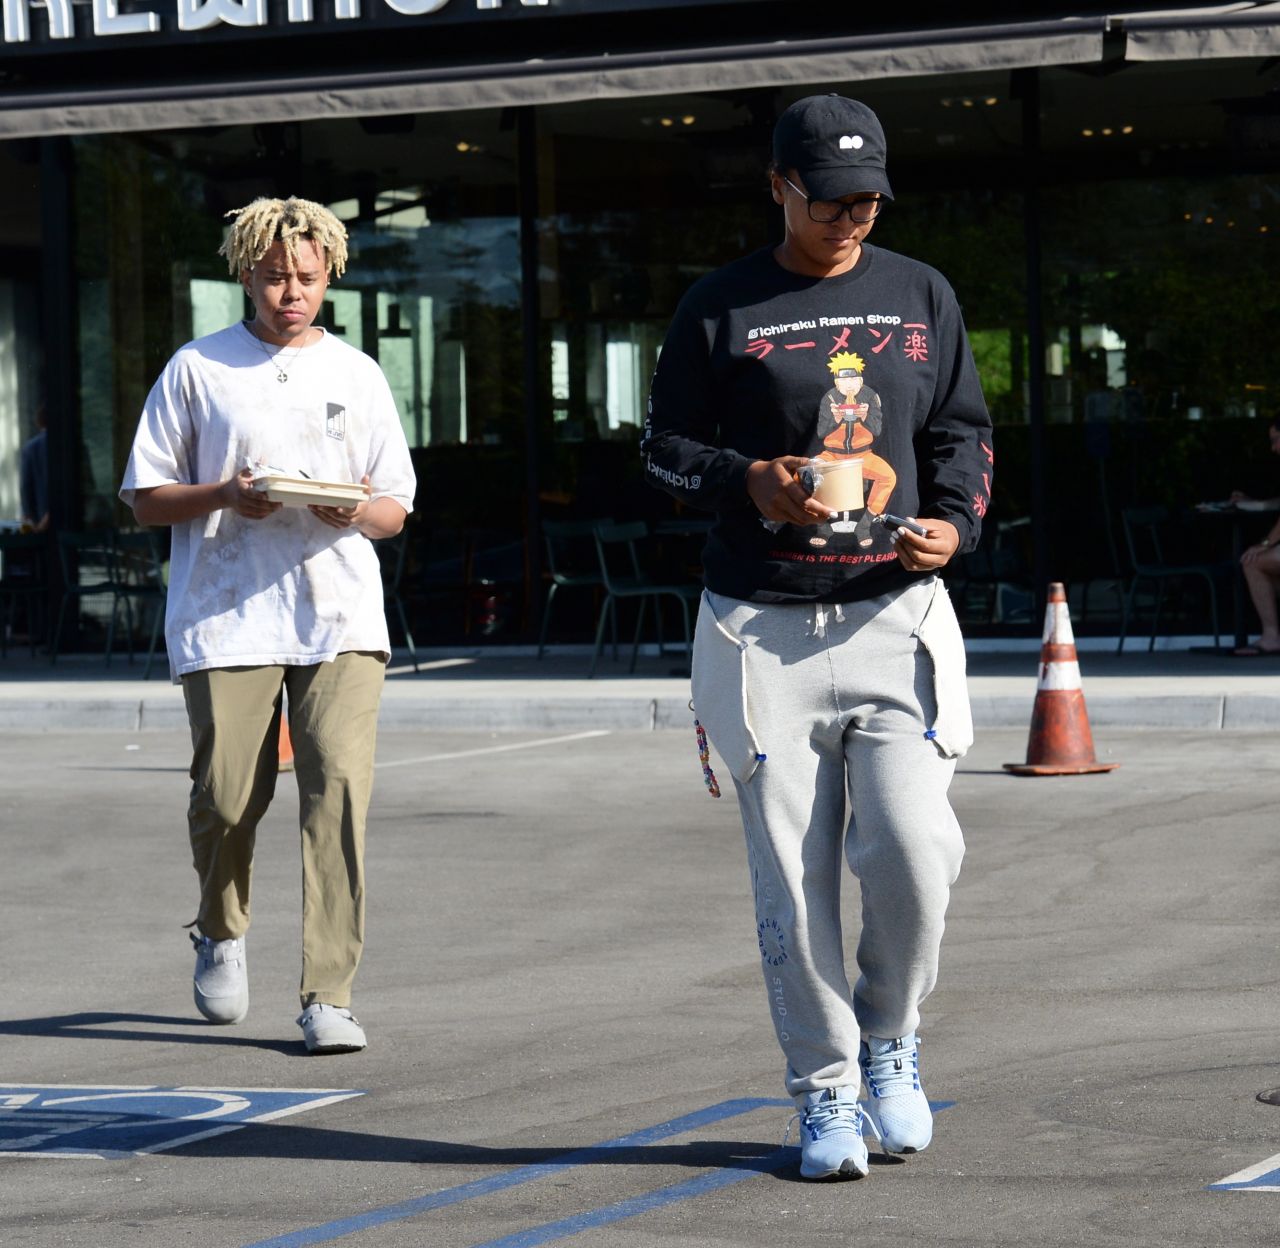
(287, 588)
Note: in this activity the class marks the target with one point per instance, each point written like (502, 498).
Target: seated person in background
(1261, 567)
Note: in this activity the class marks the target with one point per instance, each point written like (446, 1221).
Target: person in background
(831, 681)
(33, 478)
(265, 600)
(1260, 564)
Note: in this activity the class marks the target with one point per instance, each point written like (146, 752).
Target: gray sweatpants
(840, 726)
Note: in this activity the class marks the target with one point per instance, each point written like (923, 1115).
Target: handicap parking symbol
(1262, 1177)
(70, 1120)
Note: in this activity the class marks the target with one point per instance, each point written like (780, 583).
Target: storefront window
(21, 353)
(638, 200)
(432, 288)
(1153, 206)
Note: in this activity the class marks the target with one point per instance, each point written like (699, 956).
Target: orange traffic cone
(286, 745)
(1060, 743)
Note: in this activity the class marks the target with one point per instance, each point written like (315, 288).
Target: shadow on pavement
(108, 1025)
(296, 1143)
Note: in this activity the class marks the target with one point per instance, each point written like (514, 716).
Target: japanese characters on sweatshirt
(872, 365)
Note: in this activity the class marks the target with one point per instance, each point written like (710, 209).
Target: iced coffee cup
(837, 483)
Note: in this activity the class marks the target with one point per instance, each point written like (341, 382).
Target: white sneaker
(221, 980)
(896, 1104)
(331, 1029)
(831, 1144)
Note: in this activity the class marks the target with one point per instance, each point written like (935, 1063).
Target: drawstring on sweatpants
(820, 617)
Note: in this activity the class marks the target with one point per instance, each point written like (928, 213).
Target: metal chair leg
(57, 632)
(408, 636)
(605, 610)
(1127, 613)
(635, 641)
(1213, 610)
(1155, 618)
(546, 619)
(155, 633)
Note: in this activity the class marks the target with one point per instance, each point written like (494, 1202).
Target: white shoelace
(893, 1073)
(826, 1114)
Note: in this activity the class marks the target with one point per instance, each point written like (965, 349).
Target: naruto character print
(851, 419)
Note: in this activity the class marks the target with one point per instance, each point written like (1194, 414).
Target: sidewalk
(507, 689)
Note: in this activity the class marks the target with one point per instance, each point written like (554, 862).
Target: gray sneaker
(221, 981)
(331, 1029)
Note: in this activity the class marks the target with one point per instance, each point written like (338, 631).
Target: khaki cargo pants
(235, 724)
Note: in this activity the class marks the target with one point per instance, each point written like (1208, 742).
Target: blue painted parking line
(97, 1122)
(735, 1172)
(1264, 1177)
(514, 1178)
(768, 1164)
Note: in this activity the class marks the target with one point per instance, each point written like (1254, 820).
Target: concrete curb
(528, 707)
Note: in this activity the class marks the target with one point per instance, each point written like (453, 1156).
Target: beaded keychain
(704, 754)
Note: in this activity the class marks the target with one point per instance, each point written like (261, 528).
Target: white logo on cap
(850, 140)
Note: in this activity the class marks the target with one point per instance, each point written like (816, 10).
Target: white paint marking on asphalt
(494, 749)
(1243, 1179)
(433, 665)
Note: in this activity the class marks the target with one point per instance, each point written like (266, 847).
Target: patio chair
(572, 563)
(23, 586)
(87, 562)
(1142, 533)
(139, 574)
(392, 555)
(624, 577)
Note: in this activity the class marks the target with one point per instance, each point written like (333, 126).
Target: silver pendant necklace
(274, 360)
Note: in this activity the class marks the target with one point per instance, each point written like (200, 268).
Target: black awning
(1066, 41)
(1223, 30)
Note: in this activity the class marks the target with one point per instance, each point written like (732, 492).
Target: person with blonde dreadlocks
(267, 601)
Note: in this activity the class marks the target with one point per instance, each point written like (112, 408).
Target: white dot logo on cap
(848, 141)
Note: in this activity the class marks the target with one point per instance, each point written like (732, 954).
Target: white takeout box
(303, 492)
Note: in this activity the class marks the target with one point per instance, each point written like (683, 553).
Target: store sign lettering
(198, 15)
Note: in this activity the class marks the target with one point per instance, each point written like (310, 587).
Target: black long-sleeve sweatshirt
(874, 363)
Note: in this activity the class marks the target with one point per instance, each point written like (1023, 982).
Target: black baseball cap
(835, 144)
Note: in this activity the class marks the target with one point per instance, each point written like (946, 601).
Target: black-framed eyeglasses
(825, 211)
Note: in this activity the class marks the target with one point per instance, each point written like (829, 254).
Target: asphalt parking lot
(568, 1034)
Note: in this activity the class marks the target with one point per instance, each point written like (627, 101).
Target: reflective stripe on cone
(1060, 743)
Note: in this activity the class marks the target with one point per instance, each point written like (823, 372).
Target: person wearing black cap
(830, 675)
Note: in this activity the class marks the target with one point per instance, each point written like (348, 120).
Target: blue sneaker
(831, 1145)
(896, 1104)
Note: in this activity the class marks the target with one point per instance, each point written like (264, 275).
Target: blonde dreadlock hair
(263, 222)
